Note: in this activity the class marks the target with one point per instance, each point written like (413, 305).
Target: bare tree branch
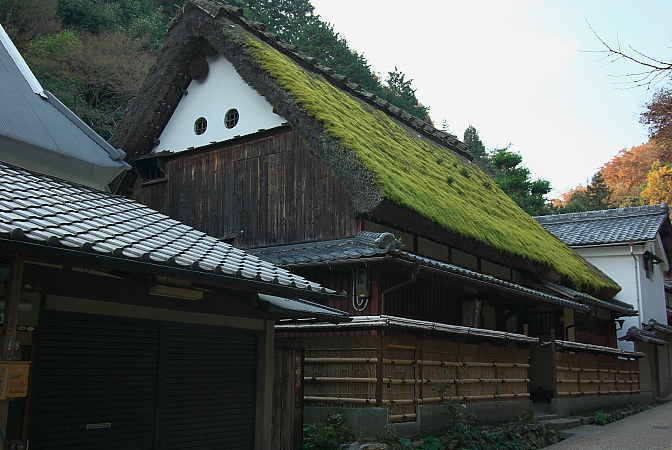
(656, 70)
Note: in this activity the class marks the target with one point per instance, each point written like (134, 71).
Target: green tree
(474, 143)
(138, 18)
(598, 193)
(477, 149)
(594, 197)
(296, 22)
(514, 179)
(319, 40)
(399, 91)
(25, 19)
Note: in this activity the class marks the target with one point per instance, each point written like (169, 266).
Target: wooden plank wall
(267, 191)
(587, 375)
(287, 421)
(596, 331)
(430, 298)
(343, 371)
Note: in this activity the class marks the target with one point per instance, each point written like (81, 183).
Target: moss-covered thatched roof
(385, 156)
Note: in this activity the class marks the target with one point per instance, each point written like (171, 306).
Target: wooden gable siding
(265, 191)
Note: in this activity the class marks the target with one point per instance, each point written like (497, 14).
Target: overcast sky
(521, 71)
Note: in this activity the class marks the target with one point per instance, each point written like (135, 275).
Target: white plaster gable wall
(645, 294)
(223, 89)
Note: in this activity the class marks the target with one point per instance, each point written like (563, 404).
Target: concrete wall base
(372, 423)
(368, 423)
(569, 406)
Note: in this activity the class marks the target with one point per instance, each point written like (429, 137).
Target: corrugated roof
(62, 216)
(38, 132)
(609, 226)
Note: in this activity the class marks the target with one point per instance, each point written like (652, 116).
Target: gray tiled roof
(57, 215)
(369, 244)
(622, 308)
(38, 132)
(404, 324)
(609, 226)
(365, 244)
(637, 334)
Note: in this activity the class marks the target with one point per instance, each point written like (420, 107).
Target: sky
(524, 73)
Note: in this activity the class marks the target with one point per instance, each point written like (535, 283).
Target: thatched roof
(399, 169)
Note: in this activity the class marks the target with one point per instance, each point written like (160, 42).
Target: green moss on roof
(426, 177)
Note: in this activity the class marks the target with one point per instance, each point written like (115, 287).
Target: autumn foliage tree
(659, 184)
(595, 196)
(626, 173)
(658, 118)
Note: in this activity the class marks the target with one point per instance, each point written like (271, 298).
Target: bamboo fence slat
(611, 376)
(429, 371)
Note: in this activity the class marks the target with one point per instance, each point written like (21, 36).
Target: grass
(426, 177)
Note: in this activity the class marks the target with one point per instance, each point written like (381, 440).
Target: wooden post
(419, 355)
(554, 359)
(379, 369)
(11, 321)
(14, 283)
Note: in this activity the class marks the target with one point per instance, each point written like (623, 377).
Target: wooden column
(379, 369)
(14, 284)
(554, 359)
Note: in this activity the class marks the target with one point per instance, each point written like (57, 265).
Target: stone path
(648, 430)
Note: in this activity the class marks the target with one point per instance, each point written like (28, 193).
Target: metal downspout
(414, 277)
(637, 285)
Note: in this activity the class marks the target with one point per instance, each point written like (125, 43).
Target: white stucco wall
(647, 295)
(222, 90)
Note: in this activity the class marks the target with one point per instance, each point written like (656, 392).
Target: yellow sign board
(13, 379)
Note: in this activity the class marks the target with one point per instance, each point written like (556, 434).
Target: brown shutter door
(109, 383)
(95, 384)
(209, 389)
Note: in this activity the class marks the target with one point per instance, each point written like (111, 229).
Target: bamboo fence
(400, 373)
(588, 375)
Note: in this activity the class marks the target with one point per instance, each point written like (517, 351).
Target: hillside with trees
(94, 54)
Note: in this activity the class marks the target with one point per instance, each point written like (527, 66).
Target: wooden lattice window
(200, 125)
(231, 118)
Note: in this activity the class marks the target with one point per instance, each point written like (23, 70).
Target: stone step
(579, 431)
(560, 424)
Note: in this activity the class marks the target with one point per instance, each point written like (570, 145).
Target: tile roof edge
(605, 214)
(18, 242)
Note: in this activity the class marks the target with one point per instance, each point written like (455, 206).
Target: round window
(231, 118)
(200, 125)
